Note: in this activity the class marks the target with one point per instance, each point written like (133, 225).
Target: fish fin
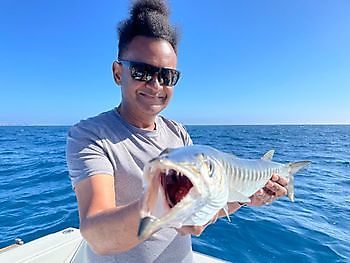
(268, 156)
(235, 196)
(226, 212)
(292, 169)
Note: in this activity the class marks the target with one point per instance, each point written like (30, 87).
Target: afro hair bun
(149, 6)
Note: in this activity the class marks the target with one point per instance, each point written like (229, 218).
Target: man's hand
(197, 230)
(274, 188)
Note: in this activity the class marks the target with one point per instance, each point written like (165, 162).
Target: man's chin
(154, 109)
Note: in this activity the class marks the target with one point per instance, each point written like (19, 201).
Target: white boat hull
(63, 246)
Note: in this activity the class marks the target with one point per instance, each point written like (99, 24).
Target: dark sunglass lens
(175, 77)
(164, 78)
(143, 71)
(169, 77)
(138, 71)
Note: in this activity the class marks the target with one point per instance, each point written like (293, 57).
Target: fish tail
(292, 169)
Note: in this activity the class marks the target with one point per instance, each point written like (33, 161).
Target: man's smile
(152, 96)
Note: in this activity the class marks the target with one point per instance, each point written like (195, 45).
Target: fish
(190, 184)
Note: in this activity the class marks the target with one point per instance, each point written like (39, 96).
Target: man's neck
(139, 122)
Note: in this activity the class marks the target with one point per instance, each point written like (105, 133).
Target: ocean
(36, 197)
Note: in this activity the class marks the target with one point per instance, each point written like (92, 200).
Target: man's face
(142, 98)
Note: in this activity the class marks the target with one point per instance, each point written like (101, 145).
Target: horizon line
(188, 124)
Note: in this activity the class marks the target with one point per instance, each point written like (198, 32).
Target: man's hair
(149, 18)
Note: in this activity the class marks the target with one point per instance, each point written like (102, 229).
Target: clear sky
(242, 62)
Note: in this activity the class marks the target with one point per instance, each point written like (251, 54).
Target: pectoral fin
(235, 196)
(226, 212)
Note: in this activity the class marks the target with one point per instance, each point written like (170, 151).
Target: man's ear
(117, 70)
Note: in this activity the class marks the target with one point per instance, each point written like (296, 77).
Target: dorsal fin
(268, 156)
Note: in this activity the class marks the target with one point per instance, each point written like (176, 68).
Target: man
(106, 153)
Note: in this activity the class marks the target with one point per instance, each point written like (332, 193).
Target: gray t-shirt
(107, 144)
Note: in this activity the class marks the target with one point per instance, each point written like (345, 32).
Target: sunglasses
(145, 72)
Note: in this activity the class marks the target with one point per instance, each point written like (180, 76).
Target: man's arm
(107, 228)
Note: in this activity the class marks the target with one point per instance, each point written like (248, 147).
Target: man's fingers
(273, 188)
(194, 230)
(279, 179)
(184, 230)
(280, 190)
(197, 230)
(277, 185)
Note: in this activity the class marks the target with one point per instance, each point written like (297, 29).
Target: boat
(65, 246)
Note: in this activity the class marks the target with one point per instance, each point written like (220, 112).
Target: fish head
(179, 183)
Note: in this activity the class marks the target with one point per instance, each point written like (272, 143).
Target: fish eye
(210, 168)
(205, 161)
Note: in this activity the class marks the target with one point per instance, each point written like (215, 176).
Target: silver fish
(189, 185)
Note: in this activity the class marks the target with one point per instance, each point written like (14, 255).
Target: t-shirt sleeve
(85, 154)
(185, 135)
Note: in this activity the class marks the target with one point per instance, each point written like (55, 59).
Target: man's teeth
(157, 95)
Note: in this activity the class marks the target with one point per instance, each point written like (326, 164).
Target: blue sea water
(36, 197)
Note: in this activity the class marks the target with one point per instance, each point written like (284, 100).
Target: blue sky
(242, 62)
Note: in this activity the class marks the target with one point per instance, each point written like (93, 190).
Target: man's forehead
(151, 50)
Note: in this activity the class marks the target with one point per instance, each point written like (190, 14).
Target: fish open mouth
(176, 186)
